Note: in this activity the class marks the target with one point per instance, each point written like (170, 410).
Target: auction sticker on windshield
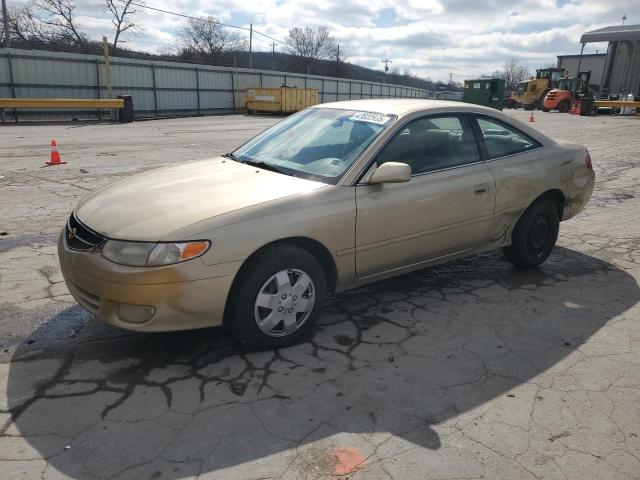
(370, 117)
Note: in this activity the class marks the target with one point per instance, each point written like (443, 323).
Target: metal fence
(161, 88)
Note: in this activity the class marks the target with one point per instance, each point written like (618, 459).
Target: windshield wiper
(268, 166)
(232, 157)
(264, 165)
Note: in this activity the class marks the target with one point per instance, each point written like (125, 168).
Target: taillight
(587, 161)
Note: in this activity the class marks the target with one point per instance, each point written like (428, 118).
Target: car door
(520, 171)
(442, 210)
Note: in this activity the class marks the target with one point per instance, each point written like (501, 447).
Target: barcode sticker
(370, 117)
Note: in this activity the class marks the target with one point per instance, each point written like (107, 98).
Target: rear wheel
(535, 235)
(278, 298)
(563, 106)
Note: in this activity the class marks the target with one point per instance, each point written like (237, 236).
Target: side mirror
(391, 172)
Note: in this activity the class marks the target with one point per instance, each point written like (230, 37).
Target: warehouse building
(593, 62)
(621, 70)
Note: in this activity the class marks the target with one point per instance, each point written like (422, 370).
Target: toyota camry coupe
(336, 196)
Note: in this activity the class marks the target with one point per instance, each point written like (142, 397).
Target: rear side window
(502, 140)
(432, 143)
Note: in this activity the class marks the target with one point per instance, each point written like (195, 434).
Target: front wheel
(278, 298)
(535, 235)
(564, 106)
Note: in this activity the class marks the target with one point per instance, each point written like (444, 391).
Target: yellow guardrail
(615, 104)
(61, 103)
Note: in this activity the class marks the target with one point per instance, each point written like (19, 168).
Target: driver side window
(432, 143)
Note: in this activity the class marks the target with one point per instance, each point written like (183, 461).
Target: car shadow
(398, 358)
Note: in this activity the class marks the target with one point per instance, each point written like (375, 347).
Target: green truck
(486, 91)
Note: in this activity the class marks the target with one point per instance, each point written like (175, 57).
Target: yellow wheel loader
(530, 93)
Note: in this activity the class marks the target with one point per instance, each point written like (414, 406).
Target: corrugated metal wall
(160, 88)
(593, 63)
(625, 71)
(622, 69)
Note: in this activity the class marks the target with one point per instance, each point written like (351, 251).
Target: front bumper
(178, 297)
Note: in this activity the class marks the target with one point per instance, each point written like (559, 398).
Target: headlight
(144, 254)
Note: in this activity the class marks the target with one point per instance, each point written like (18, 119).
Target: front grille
(79, 237)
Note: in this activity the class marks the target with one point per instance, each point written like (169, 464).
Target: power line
(251, 30)
(191, 17)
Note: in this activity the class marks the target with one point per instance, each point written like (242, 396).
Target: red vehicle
(568, 89)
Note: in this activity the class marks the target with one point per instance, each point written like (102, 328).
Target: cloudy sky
(430, 37)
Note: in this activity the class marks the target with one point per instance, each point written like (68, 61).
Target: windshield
(318, 143)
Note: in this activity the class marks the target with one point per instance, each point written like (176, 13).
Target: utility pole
(273, 55)
(250, 45)
(338, 55)
(450, 79)
(7, 39)
(107, 66)
(624, 18)
(386, 62)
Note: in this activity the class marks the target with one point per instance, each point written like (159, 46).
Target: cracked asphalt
(469, 370)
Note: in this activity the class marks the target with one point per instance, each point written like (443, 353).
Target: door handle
(481, 189)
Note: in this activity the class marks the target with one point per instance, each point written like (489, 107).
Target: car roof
(402, 106)
(405, 106)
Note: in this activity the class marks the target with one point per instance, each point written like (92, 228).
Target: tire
(563, 106)
(535, 235)
(529, 106)
(540, 101)
(283, 304)
(545, 109)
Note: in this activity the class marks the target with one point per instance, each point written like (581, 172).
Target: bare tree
(311, 44)
(23, 26)
(121, 12)
(512, 73)
(205, 37)
(59, 18)
(394, 71)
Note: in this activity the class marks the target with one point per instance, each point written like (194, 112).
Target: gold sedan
(336, 196)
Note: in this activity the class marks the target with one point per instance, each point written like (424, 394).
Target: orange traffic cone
(532, 119)
(55, 155)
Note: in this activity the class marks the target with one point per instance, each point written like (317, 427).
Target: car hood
(152, 205)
